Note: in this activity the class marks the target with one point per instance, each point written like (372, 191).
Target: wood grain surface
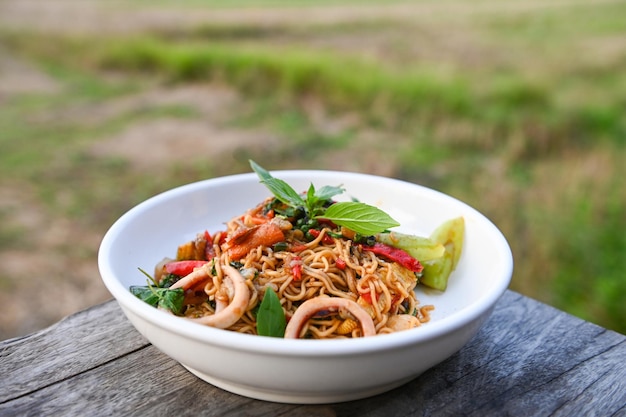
(528, 359)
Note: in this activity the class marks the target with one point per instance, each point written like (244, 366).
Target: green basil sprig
(356, 216)
(166, 298)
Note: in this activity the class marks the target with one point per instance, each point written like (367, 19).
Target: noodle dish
(301, 265)
(303, 286)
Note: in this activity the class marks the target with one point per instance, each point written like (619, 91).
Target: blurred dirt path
(76, 16)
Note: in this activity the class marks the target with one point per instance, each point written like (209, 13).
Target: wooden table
(528, 359)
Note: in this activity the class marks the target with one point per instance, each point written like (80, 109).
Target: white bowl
(305, 371)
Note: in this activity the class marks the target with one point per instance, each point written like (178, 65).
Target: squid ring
(331, 304)
(230, 314)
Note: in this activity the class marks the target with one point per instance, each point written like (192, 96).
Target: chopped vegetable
(422, 248)
(396, 255)
(437, 271)
(296, 268)
(193, 250)
(182, 268)
(451, 234)
(341, 264)
(325, 239)
(209, 252)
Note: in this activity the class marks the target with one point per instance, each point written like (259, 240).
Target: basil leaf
(359, 217)
(172, 300)
(270, 319)
(165, 298)
(278, 187)
(317, 200)
(260, 171)
(283, 192)
(145, 293)
(328, 192)
(310, 195)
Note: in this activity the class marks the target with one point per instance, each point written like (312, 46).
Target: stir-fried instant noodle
(305, 266)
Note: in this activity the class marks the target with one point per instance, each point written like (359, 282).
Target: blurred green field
(516, 108)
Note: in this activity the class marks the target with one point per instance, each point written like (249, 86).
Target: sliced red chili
(367, 296)
(182, 268)
(296, 247)
(222, 237)
(396, 255)
(296, 268)
(209, 253)
(341, 264)
(327, 240)
(396, 298)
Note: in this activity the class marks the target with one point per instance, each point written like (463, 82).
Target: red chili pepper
(341, 264)
(222, 238)
(182, 268)
(326, 239)
(296, 268)
(209, 253)
(367, 296)
(395, 299)
(297, 248)
(395, 255)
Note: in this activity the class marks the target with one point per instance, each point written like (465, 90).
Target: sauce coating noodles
(259, 250)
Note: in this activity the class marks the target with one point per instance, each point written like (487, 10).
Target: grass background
(516, 108)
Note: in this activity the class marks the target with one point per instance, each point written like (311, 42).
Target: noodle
(329, 265)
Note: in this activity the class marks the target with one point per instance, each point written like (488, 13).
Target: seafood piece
(227, 315)
(248, 239)
(402, 322)
(329, 304)
(198, 275)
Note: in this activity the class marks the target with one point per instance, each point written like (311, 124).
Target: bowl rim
(299, 347)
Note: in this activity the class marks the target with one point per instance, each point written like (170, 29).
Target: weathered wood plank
(529, 359)
(76, 344)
